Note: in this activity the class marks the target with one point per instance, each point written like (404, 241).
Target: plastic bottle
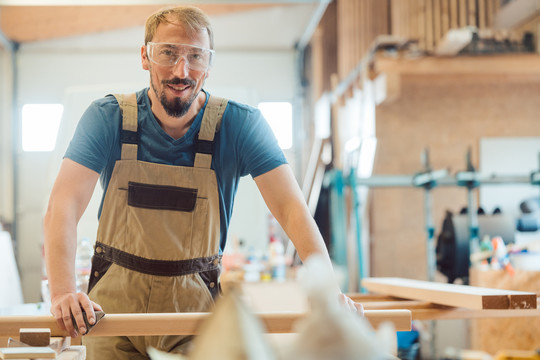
(252, 267)
(83, 263)
(277, 258)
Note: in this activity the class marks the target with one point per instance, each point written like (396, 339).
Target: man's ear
(144, 58)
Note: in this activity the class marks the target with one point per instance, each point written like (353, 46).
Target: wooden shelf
(505, 64)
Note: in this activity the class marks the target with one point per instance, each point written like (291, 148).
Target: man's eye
(167, 52)
(196, 57)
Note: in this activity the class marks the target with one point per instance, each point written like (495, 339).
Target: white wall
(6, 173)
(508, 156)
(74, 70)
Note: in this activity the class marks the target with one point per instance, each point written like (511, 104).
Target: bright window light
(40, 123)
(279, 117)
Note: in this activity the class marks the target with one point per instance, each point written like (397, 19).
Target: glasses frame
(212, 53)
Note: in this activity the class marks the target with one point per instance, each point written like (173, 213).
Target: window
(279, 117)
(40, 123)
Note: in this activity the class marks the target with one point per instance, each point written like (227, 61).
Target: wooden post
(334, 125)
(445, 17)
(489, 13)
(472, 13)
(454, 14)
(462, 13)
(429, 26)
(437, 36)
(481, 14)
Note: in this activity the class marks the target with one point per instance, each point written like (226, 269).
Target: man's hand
(65, 305)
(351, 305)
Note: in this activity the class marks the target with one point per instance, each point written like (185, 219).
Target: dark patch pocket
(161, 197)
(211, 279)
(99, 267)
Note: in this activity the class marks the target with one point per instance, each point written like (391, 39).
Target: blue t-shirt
(245, 144)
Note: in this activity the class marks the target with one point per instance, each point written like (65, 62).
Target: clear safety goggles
(169, 54)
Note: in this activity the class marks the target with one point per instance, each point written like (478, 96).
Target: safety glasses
(169, 54)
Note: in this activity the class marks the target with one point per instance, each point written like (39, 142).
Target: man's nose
(181, 69)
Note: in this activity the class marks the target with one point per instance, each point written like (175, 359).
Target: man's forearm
(286, 202)
(304, 233)
(60, 249)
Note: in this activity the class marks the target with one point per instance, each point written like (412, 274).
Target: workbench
(278, 306)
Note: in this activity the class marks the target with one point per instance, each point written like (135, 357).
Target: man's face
(175, 86)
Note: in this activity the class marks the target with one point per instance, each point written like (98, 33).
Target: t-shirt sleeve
(259, 148)
(94, 136)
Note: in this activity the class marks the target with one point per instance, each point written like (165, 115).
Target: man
(169, 159)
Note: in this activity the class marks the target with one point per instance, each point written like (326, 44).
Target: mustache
(178, 81)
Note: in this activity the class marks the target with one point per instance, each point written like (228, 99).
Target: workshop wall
(447, 114)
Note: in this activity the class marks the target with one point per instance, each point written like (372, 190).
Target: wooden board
(27, 352)
(35, 337)
(425, 310)
(184, 323)
(452, 295)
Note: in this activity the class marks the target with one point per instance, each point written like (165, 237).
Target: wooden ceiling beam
(35, 23)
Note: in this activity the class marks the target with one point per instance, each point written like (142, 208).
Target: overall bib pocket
(161, 197)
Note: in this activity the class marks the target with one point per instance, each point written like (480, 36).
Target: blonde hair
(193, 19)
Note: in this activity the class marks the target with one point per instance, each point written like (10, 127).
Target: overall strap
(204, 144)
(129, 136)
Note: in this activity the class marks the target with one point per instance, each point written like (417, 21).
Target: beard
(175, 107)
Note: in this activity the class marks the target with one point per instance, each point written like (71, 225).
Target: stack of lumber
(491, 309)
(471, 297)
(437, 301)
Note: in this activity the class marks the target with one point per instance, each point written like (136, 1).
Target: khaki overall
(157, 247)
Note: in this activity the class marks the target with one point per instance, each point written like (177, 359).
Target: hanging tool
(470, 180)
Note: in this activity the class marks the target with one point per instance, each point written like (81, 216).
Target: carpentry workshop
(313, 180)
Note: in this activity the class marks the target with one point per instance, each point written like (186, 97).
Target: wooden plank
(445, 17)
(184, 323)
(371, 31)
(452, 295)
(462, 13)
(421, 9)
(35, 337)
(454, 14)
(482, 14)
(453, 313)
(472, 13)
(413, 20)
(406, 5)
(425, 310)
(397, 304)
(489, 13)
(437, 34)
(429, 26)
(27, 352)
(395, 12)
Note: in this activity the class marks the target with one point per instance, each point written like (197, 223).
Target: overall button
(99, 249)
(212, 284)
(96, 274)
(216, 261)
